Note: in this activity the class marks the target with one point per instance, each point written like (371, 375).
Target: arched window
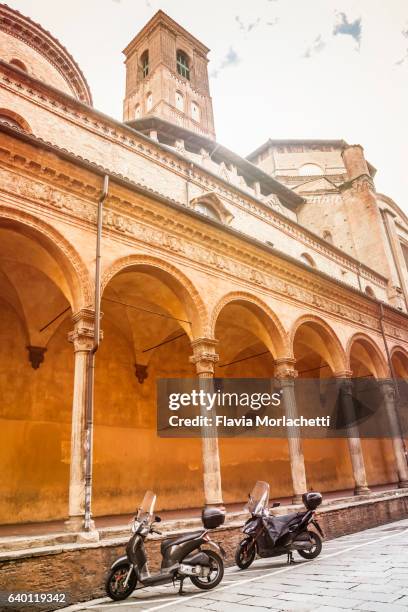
(195, 111)
(208, 210)
(137, 111)
(307, 259)
(179, 101)
(11, 118)
(369, 291)
(19, 64)
(149, 101)
(144, 60)
(310, 170)
(183, 67)
(328, 236)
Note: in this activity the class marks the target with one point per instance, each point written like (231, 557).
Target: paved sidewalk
(364, 571)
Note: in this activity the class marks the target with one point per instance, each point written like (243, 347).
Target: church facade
(285, 263)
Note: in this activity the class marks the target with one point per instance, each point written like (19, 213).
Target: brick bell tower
(167, 77)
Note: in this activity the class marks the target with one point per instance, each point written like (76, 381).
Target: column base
(362, 490)
(403, 484)
(74, 523)
(219, 505)
(297, 499)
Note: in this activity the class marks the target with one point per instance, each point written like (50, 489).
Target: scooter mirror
(157, 519)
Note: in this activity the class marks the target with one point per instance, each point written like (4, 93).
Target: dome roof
(26, 44)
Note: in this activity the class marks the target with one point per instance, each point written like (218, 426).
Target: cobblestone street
(367, 570)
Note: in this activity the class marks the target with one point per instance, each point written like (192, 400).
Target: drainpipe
(393, 376)
(88, 523)
(188, 184)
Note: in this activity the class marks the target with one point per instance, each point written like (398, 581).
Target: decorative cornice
(135, 218)
(32, 34)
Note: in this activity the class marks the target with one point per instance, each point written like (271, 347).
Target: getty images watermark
(309, 408)
(209, 401)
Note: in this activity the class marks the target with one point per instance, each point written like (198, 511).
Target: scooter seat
(287, 519)
(181, 539)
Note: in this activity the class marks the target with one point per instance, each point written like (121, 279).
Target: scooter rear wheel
(216, 575)
(317, 547)
(115, 582)
(245, 553)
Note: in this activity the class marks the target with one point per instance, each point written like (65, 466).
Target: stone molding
(32, 34)
(119, 135)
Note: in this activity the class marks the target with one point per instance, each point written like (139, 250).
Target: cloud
(250, 26)
(349, 28)
(231, 59)
(316, 47)
(402, 60)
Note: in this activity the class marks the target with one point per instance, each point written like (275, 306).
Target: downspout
(88, 523)
(393, 376)
(188, 184)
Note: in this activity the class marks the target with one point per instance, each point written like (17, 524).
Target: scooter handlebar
(155, 531)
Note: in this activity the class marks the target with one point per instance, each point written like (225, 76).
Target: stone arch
(327, 334)
(267, 316)
(58, 247)
(375, 360)
(15, 118)
(174, 278)
(399, 358)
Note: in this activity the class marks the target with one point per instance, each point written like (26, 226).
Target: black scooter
(182, 556)
(272, 536)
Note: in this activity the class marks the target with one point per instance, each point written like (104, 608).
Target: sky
(278, 68)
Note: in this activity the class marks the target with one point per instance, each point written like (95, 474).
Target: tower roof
(162, 18)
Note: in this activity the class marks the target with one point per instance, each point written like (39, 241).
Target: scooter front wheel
(245, 553)
(115, 583)
(216, 572)
(316, 548)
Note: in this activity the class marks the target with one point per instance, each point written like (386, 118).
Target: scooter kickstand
(181, 587)
(290, 558)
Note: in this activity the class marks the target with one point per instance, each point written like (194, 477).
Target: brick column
(204, 357)
(353, 438)
(388, 393)
(286, 373)
(82, 339)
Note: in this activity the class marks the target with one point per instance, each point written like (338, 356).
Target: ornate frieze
(151, 224)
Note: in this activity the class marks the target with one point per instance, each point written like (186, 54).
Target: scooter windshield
(258, 498)
(146, 509)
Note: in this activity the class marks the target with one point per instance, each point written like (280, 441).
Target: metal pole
(91, 362)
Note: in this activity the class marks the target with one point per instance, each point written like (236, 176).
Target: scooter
(182, 556)
(271, 536)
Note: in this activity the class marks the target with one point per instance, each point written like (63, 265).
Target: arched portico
(383, 456)
(319, 354)
(151, 314)
(42, 281)
(250, 337)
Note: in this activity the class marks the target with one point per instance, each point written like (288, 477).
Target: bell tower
(167, 77)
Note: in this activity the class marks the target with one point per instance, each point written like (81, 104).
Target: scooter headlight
(135, 526)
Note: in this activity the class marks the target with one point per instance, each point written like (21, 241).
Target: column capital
(285, 368)
(387, 387)
(343, 374)
(204, 356)
(82, 336)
